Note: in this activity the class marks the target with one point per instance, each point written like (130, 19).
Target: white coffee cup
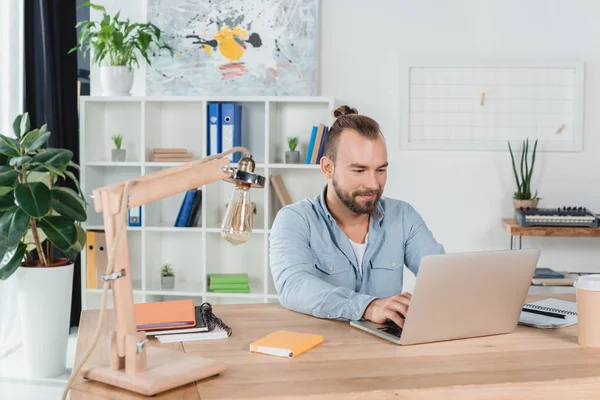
(588, 310)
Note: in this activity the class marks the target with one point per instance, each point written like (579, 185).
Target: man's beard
(350, 201)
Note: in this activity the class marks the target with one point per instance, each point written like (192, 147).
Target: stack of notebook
(171, 155)
(548, 277)
(228, 283)
(178, 321)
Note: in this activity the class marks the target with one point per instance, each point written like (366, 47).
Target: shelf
(101, 228)
(136, 283)
(114, 164)
(295, 166)
(148, 122)
(182, 288)
(173, 229)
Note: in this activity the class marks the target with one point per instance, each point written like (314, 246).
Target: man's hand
(394, 308)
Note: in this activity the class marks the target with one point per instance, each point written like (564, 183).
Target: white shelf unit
(148, 122)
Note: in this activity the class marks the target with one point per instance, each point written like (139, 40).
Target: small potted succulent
(118, 154)
(522, 197)
(167, 277)
(292, 156)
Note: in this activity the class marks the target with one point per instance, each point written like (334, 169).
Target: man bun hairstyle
(349, 118)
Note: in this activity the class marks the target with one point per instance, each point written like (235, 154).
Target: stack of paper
(228, 283)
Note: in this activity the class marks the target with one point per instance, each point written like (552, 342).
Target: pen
(546, 313)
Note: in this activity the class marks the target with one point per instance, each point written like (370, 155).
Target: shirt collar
(377, 215)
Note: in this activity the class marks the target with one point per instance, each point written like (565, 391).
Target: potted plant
(523, 197)
(116, 45)
(118, 154)
(292, 156)
(167, 277)
(40, 238)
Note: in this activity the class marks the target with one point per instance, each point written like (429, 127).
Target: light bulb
(237, 224)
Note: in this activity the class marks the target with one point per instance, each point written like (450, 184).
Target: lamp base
(166, 369)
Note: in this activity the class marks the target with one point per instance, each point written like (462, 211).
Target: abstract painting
(235, 47)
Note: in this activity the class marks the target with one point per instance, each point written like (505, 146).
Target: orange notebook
(165, 314)
(285, 344)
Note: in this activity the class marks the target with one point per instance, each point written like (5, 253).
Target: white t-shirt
(359, 251)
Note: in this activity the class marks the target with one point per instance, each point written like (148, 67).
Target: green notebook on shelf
(228, 278)
(226, 286)
(247, 290)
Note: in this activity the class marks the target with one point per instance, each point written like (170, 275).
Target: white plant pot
(45, 308)
(116, 81)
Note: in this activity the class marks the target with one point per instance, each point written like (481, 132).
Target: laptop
(463, 295)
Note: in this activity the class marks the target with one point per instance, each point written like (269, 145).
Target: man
(341, 255)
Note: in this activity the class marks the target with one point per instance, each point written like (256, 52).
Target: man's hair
(348, 118)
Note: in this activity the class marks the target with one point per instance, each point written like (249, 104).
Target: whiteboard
(475, 106)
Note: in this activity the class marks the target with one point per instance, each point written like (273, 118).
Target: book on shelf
(316, 144)
(280, 190)
(171, 155)
(190, 211)
(228, 283)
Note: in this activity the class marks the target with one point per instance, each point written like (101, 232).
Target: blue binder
(214, 133)
(311, 144)
(134, 216)
(185, 209)
(231, 128)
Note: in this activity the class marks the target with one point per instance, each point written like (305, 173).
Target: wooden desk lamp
(132, 365)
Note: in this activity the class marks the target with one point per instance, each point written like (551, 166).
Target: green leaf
(34, 140)
(34, 198)
(17, 126)
(94, 6)
(13, 225)
(41, 167)
(25, 124)
(11, 261)
(57, 158)
(68, 204)
(5, 190)
(19, 161)
(60, 231)
(80, 244)
(72, 164)
(7, 201)
(9, 146)
(8, 176)
(29, 240)
(35, 176)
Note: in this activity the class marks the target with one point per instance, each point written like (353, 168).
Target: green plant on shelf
(523, 180)
(167, 270)
(292, 142)
(118, 140)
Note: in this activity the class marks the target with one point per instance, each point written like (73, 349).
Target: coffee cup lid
(588, 282)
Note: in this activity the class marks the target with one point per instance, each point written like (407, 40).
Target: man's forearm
(303, 292)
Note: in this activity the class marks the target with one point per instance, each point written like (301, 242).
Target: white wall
(461, 195)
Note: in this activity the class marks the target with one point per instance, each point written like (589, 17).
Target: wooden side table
(514, 229)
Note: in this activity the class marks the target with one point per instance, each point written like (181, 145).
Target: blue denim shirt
(314, 267)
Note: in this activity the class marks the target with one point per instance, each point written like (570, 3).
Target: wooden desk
(514, 229)
(351, 364)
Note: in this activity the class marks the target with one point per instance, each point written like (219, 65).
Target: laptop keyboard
(391, 328)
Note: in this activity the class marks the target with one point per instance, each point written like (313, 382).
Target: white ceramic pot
(116, 81)
(45, 308)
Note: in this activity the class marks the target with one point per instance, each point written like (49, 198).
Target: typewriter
(565, 216)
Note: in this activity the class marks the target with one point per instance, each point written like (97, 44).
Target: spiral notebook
(550, 306)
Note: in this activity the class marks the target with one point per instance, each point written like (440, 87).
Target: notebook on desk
(549, 313)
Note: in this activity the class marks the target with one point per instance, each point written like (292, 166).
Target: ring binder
(211, 320)
(550, 309)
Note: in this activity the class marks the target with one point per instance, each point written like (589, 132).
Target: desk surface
(513, 227)
(528, 363)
